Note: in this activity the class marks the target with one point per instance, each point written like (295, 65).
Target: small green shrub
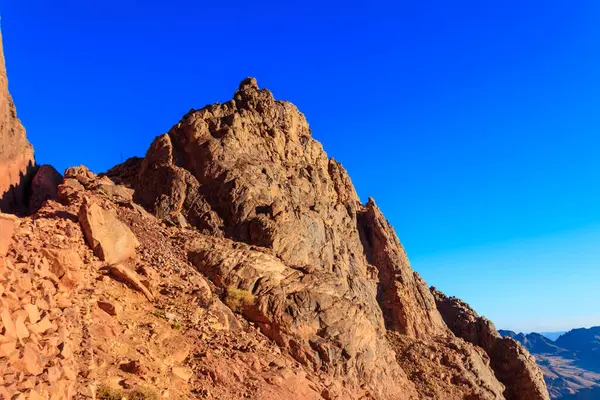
(237, 299)
(159, 314)
(176, 325)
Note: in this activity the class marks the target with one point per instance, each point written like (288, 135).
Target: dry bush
(108, 393)
(238, 299)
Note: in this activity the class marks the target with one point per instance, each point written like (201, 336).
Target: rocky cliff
(571, 364)
(511, 362)
(234, 260)
(16, 153)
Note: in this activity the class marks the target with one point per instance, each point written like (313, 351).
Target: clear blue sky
(474, 124)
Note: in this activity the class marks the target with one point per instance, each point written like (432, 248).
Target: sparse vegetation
(107, 393)
(159, 314)
(176, 325)
(142, 394)
(237, 299)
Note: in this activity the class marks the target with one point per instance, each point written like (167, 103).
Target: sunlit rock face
(16, 153)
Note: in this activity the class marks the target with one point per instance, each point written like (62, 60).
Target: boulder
(66, 264)
(111, 240)
(44, 186)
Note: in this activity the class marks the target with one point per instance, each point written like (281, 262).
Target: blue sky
(474, 125)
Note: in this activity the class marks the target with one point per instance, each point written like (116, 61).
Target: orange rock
(33, 312)
(20, 328)
(41, 326)
(8, 224)
(10, 330)
(66, 265)
(34, 395)
(183, 373)
(54, 373)
(111, 240)
(30, 361)
(7, 348)
(24, 283)
(130, 277)
(61, 390)
(108, 307)
(66, 352)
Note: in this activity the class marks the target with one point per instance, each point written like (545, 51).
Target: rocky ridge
(234, 261)
(570, 364)
(511, 362)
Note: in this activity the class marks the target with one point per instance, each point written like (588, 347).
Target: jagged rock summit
(332, 283)
(235, 260)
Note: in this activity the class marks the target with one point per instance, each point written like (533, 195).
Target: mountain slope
(581, 340)
(256, 273)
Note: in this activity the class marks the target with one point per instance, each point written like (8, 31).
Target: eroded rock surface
(511, 362)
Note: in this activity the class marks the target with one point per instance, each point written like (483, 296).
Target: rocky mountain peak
(248, 84)
(235, 260)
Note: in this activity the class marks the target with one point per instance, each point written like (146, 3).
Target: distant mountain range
(570, 363)
(553, 335)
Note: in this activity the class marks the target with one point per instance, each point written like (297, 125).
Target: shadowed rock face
(16, 154)
(511, 362)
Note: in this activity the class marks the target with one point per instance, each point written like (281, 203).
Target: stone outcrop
(44, 186)
(16, 153)
(403, 295)
(111, 240)
(511, 362)
(313, 314)
(262, 179)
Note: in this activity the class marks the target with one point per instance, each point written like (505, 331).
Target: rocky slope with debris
(234, 260)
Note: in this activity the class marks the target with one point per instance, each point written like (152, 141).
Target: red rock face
(16, 154)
